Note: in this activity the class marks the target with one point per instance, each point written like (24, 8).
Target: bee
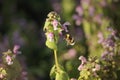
(69, 39)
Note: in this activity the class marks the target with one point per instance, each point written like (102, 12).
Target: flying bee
(69, 39)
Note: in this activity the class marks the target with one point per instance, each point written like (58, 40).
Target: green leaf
(53, 72)
(84, 74)
(62, 75)
(47, 23)
(51, 45)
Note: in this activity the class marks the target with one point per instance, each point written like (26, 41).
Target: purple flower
(100, 37)
(50, 36)
(9, 60)
(79, 10)
(80, 67)
(98, 19)
(17, 38)
(65, 26)
(91, 10)
(109, 43)
(83, 59)
(55, 24)
(103, 3)
(15, 49)
(78, 19)
(70, 54)
(97, 68)
(113, 32)
(104, 54)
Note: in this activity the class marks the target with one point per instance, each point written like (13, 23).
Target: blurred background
(22, 22)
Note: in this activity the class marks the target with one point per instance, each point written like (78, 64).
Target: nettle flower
(16, 49)
(65, 26)
(91, 10)
(98, 18)
(50, 36)
(109, 43)
(55, 24)
(97, 68)
(80, 67)
(83, 61)
(100, 37)
(8, 57)
(79, 10)
(78, 19)
(8, 60)
(54, 29)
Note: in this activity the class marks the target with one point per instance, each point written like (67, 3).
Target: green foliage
(58, 74)
(51, 45)
(53, 72)
(53, 29)
(61, 75)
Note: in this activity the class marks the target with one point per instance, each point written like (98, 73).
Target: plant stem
(56, 59)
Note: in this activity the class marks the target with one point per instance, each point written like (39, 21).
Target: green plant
(53, 29)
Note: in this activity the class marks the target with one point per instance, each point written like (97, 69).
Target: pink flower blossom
(91, 10)
(83, 59)
(97, 68)
(100, 37)
(79, 10)
(80, 67)
(70, 54)
(9, 60)
(50, 36)
(103, 3)
(65, 26)
(98, 19)
(15, 49)
(55, 24)
(78, 19)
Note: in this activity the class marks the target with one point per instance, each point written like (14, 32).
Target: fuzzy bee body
(69, 39)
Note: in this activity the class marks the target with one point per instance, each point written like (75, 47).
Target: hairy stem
(56, 59)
